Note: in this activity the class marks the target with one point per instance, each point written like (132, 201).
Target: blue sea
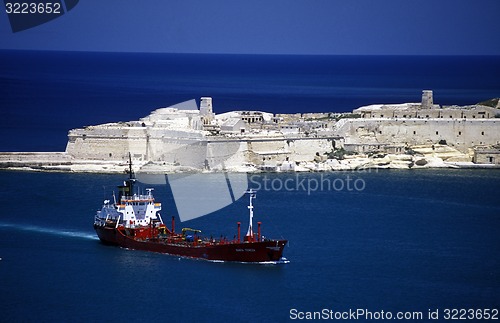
(416, 241)
(405, 241)
(44, 94)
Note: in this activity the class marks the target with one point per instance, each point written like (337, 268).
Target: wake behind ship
(134, 222)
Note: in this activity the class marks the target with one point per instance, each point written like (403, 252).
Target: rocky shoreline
(439, 157)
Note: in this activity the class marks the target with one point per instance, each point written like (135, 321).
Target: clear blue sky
(366, 27)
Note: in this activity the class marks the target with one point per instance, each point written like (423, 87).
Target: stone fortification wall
(317, 115)
(187, 148)
(409, 110)
(232, 153)
(144, 143)
(460, 133)
(304, 150)
(266, 151)
(105, 142)
(22, 157)
(226, 154)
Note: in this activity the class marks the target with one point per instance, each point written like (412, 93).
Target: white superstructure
(138, 209)
(132, 209)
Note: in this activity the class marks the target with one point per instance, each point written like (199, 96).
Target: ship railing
(102, 221)
(138, 197)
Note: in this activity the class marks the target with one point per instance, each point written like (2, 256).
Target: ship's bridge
(139, 209)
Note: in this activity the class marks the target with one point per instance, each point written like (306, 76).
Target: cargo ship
(133, 221)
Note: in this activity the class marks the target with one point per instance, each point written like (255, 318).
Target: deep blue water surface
(44, 94)
(409, 241)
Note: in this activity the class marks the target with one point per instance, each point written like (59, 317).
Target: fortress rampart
(182, 138)
(461, 134)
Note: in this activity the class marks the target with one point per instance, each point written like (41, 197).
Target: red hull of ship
(255, 251)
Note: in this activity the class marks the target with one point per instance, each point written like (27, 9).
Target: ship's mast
(252, 195)
(127, 189)
(130, 171)
(131, 179)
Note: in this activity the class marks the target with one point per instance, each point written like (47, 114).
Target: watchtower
(427, 100)
(206, 112)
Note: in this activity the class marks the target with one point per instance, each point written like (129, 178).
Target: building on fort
(426, 110)
(487, 155)
(385, 125)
